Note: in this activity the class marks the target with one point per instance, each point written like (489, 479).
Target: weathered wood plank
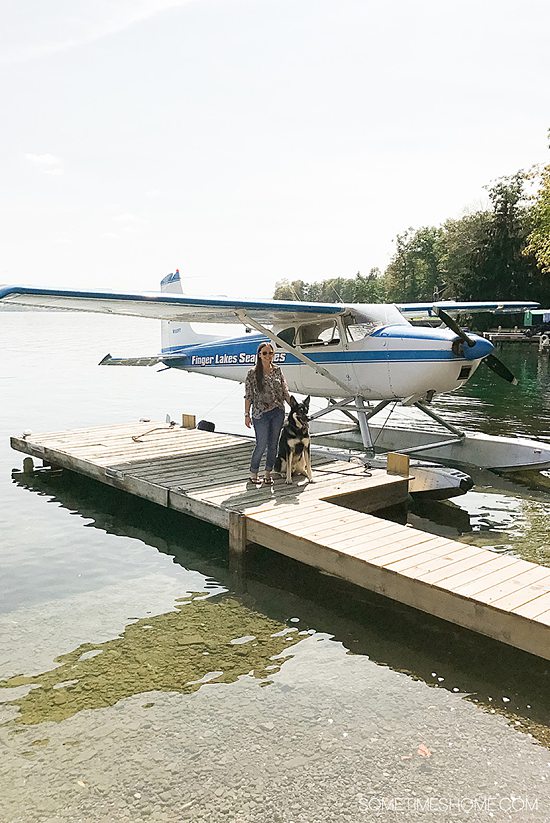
(532, 609)
(386, 552)
(507, 567)
(511, 578)
(326, 524)
(414, 563)
(199, 509)
(355, 534)
(527, 586)
(308, 515)
(511, 629)
(476, 565)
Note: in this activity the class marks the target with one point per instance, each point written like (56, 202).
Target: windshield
(365, 319)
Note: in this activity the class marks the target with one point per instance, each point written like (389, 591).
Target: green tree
(290, 290)
(460, 245)
(358, 289)
(500, 268)
(538, 241)
(369, 289)
(415, 269)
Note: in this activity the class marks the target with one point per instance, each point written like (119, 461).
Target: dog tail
(174, 333)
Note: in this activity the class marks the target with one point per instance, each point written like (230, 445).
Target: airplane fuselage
(391, 363)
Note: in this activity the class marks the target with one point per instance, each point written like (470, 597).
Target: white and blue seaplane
(359, 357)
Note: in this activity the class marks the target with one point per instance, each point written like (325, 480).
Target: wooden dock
(497, 337)
(327, 524)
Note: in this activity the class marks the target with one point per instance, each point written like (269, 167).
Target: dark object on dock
(206, 426)
(541, 328)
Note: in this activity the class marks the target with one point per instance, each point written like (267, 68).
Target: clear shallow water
(120, 679)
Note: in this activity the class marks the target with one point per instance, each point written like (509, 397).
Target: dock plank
(507, 568)
(522, 590)
(442, 548)
(532, 608)
(327, 524)
(431, 559)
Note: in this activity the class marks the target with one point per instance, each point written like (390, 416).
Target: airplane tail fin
(174, 333)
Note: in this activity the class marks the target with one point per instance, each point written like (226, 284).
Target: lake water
(136, 685)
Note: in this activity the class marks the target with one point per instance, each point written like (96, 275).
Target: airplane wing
(166, 306)
(453, 307)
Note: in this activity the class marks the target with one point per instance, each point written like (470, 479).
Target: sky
(247, 141)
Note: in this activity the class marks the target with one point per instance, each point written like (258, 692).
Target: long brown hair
(259, 369)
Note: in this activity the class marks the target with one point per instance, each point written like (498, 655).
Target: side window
(287, 335)
(331, 335)
(319, 334)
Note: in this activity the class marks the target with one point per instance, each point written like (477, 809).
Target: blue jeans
(268, 428)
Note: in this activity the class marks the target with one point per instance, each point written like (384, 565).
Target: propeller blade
(453, 325)
(491, 360)
(499, 368)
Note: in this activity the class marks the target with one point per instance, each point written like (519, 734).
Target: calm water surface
(135, 684)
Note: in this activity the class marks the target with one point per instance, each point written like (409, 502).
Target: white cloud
(128, 222)
(64, 24)
(127, 218)
(46, 163)
(61, 238)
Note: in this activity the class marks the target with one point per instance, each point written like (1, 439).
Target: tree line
(499, 253)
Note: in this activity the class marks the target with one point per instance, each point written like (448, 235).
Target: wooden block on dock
(398, 464)
(188, 421)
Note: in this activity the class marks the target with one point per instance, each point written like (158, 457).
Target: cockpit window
(288, 335)
(319, 334)
(356, 330)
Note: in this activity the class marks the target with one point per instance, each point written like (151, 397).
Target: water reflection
(493, 406)
(174, 651)
(505, 523)
(205, 640)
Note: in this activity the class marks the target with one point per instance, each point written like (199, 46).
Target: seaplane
(359, 358)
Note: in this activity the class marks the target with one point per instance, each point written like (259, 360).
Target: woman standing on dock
(265, 393)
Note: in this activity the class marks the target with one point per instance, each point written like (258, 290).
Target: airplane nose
(480, 349)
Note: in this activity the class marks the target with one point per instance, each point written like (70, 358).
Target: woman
(265, 393)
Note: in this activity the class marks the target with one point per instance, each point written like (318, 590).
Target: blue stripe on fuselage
(241, 351)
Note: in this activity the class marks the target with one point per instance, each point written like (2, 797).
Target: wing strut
(248, 321)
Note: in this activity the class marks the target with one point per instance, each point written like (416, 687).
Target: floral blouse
(273, 394)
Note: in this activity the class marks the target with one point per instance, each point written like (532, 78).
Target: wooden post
(237, 548)
(398, 464)
(188, 421)
(28, 465)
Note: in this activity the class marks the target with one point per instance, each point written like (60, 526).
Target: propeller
(490, 360)
(453, 325)
(499, 368)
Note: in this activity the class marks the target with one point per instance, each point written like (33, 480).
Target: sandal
(254, 480)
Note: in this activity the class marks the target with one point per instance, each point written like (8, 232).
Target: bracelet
(247, 414)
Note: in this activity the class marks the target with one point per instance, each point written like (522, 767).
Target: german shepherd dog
(293, 455)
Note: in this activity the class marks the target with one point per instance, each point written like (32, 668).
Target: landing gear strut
(356, 410)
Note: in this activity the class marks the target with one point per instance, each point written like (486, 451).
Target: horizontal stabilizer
(139, 361)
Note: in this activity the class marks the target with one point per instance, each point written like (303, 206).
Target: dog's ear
(293, 402)
(305, 404)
